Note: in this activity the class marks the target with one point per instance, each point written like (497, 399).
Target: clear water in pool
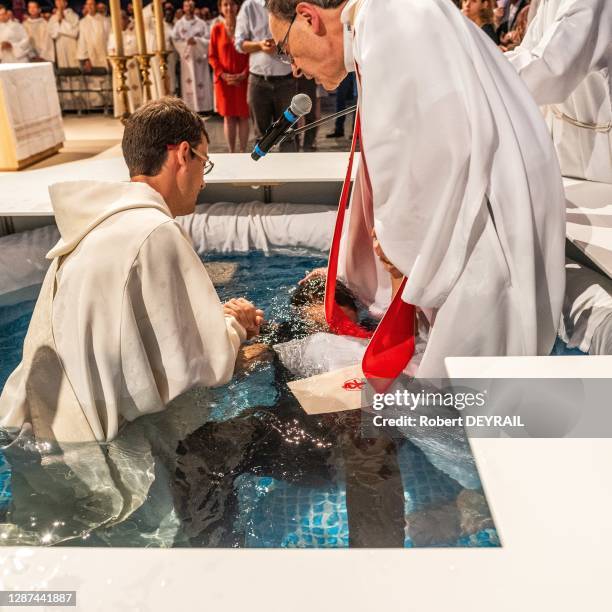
(260, 473)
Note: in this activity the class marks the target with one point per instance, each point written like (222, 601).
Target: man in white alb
(38, 31)
(14, 40)
(191, 36)
(92, 52)
(127, 318)
(64, 31)
(565, 60)
(458, 175)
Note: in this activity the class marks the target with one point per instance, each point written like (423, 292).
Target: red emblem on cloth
(353, 384)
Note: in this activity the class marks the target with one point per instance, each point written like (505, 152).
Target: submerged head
(165, 144)
(309, 299)
(310, 36)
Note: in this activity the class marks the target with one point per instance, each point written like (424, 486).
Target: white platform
(26, 193)
(551, 500)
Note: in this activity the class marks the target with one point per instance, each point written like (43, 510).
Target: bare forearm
(251, 46)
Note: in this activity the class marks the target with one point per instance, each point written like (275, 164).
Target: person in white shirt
(565, 60)
(271, 85)
(127, 318)
(91, 50)
(102, 11)
(191, 37)
(14, 40)
(38, 31)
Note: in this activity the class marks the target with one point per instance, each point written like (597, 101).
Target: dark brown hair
(154, 126)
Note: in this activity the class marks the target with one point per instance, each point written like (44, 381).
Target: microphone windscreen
(301, 105)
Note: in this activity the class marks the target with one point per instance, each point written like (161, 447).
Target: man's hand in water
(251, 354)
(246, 314)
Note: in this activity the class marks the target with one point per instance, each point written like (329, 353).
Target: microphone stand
(294, 133)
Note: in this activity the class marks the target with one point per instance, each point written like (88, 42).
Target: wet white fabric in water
(587, 311)
(447, 449)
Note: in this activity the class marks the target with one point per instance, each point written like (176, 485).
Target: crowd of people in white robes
(83, 43)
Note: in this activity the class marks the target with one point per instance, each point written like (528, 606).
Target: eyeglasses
(281, 52)
(208, 165)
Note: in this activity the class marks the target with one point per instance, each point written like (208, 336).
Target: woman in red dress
(231, 71)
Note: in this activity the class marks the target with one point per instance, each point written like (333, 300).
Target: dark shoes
(335, 135)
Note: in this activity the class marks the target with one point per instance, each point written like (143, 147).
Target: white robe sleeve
(554, 60)
(174, 334)
(19, 39)
(176, 35)
(82, 53)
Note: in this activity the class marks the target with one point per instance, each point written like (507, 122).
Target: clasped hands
(245, 312)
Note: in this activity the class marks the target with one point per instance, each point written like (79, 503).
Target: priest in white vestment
(191, 37)
(38, 31)
(127, 318)
(64, 31)
(92, 43)
(134, 84)
(158, 89)
(565, 60)
(458, 175)
(14, 40)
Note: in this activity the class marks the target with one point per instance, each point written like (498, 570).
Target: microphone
(300, 106)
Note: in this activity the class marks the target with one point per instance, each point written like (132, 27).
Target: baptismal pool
(259, 472)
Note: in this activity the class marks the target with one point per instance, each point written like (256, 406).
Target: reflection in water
(242, 465)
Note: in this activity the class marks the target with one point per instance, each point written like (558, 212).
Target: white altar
(30, 116)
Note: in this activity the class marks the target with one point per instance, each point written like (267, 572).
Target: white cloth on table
(40, 38)
(467, 195)
(14, 33)
(196, 79)
(32, 107)
(565, 60)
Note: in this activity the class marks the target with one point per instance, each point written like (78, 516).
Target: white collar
(347, 19)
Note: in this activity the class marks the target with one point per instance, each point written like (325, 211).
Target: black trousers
(285, 443)
(268, 98)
